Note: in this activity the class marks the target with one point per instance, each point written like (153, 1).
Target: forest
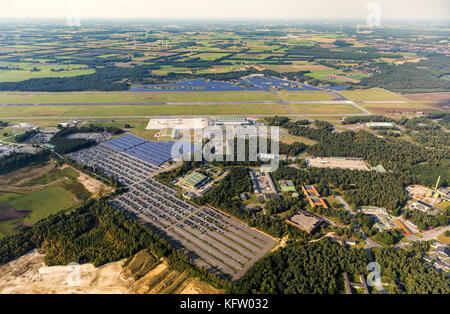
(17, 161)
(225, 197)
(94, 233)
(423, 76)
(359, 188)
(65, 145)
(407, 273)
(414, 163)
(303, 267)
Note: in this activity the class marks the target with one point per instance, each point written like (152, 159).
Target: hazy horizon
(231, 9)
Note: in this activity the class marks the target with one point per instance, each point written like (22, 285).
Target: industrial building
(313, 196)
(194, 180)
(287, 186)
(380, 125)
(305, 221)
(231, 121)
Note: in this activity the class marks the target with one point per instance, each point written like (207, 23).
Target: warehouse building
(194, 180)
(305, 221)
(287, 186)
(231, 121)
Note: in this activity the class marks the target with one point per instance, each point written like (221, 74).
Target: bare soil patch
(9, 213)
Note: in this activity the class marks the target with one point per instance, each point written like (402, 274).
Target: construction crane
(433, 193)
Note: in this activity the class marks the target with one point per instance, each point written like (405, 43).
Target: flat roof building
(313, 196)
(231, 121)
(194, 179)
(380, 125)
(287, 186)
(304, 221)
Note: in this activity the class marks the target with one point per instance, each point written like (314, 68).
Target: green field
(43, 203)
(45, 71)
(323, 109)
(137, 110)
(372, 94)
(410, 106)
(210, 56)
(305, 96)
(133, 97)
(39, 191)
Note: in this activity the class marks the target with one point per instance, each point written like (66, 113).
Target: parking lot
(337, 162)
(210, 238)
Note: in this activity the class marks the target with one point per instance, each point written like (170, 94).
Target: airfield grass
(137, 110)
(305, 96)
(323, 109)
(131, 97)
(409, 106)
(372, 94)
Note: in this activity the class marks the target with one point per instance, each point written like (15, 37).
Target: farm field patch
(323, 108)
(38, 70)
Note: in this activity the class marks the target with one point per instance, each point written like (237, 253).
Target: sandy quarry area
(95, 187)
(28, 274)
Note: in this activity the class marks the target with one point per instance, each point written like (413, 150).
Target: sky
(226, 9)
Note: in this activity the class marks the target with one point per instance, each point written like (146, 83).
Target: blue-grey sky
(213, 9)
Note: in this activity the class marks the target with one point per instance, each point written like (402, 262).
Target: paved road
(429, 235)
(369, 242)
(279, 101)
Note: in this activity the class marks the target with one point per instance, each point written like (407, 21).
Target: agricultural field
(31, 194)
(23, 71)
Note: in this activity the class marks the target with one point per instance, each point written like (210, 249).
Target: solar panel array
(156, 153)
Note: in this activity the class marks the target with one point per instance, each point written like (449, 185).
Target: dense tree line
(187, 166)
(361, 119)
(109, 78)
(96, 129)
(65, 145)
(389, 237)
(307, 268)
(411, 161)
(324, 53)
(94, 233)
(17, 161)
(292, 149)
(20, 138)
(341, 214)
(360, 188)
(407, 273)
(425, 221)
(412, 77)
(225, 197)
